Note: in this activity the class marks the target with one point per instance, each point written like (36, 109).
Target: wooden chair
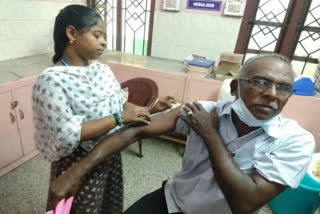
(142, 92)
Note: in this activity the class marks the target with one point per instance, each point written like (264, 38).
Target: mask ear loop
(239, 89)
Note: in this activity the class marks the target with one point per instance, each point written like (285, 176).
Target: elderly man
(240, 154)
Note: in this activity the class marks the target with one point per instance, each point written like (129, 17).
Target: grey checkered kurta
(63, 98)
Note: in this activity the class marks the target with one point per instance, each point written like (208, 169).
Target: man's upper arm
(283, 166)
(266, 189)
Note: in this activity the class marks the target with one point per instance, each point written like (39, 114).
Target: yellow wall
(26, 26)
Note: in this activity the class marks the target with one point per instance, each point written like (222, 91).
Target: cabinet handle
(12, 117)
(14, 104)
(21, 114)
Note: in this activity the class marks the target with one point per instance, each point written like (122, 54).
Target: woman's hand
(203, 123)
(162, 104)
(64, 186)
(133, 113)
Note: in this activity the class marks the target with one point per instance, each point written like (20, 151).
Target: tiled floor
(24, 190)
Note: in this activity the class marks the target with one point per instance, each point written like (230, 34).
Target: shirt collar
(273, 130)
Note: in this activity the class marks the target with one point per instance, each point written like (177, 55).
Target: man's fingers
(213, 112)
(184, 118)
(187, 109)
(192, 107)
(199, 106)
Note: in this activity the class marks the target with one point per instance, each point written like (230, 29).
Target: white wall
(26, 26)
(179, 34)
(26, 29)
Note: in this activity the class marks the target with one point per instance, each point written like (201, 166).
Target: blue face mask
(240, 108)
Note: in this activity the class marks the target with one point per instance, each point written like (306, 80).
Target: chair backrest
(142, 91)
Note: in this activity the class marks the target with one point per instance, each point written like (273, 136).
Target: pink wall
(305, 110)
(168, 83)
(183, 8)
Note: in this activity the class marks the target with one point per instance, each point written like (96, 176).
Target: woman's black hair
(78, 16)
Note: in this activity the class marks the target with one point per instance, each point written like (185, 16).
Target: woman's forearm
(96, 128)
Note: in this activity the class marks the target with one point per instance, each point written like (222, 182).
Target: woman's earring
(71, 41)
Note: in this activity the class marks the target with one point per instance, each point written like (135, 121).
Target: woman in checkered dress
(77, 104)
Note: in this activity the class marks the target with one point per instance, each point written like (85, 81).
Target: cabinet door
(10, 146)
(24, 116)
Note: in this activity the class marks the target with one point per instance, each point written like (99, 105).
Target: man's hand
(203, 123)
(64, 186)
(162, 104)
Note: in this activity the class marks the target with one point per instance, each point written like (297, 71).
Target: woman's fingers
(136, 114)
(170, 99)
(144, 113)
(143, 120)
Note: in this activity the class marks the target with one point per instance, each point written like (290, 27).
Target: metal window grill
(307, 50)
(268, 26)
(268, 30)
(128, 24)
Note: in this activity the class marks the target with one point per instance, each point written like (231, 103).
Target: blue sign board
(204, 5)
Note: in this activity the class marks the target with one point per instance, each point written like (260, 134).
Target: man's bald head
(245, 67)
